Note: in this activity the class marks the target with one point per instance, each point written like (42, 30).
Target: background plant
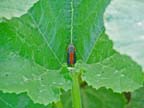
(33, 47)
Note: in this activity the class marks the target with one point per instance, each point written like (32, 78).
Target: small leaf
(15, 8)
(124, 23)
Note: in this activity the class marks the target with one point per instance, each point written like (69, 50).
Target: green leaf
(110, 69)
(18, 74)
(137, 99)
(36, 43)
(124, 23)
(91, 98)
(15, 8)
(18, 101)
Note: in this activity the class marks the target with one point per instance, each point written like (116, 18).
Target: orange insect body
(71, 58)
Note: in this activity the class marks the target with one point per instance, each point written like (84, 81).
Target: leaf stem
(76, 98)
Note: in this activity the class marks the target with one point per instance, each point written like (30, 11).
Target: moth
(71, 55)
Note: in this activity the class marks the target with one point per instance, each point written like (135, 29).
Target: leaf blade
(19, 75)
(107, 68)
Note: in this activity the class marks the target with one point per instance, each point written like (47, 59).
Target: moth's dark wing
(68, 58)
(74, 57)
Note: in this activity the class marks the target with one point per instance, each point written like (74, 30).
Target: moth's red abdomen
(71, 55)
